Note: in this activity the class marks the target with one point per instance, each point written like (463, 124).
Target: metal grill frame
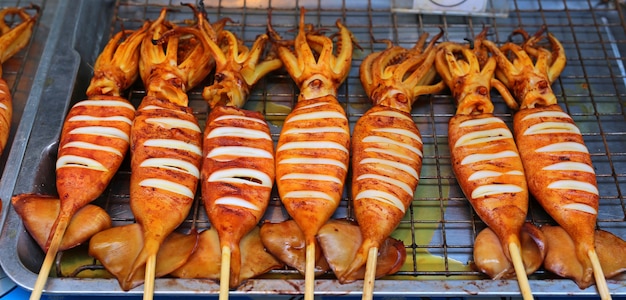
(592, 89)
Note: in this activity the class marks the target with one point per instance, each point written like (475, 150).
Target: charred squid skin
(560, 172)
(312, 157)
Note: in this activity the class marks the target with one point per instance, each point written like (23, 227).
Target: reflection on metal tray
(440, 226)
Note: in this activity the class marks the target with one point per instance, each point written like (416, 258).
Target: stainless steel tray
(440, 226)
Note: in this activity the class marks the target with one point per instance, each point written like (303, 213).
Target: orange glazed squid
(94, 139)
(312, 154)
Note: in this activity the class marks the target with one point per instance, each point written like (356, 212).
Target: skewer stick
(225, 273)
(370, 274)
(44, 272)
(148, 289)
(309, 272)
(520, 271)
(598, 274)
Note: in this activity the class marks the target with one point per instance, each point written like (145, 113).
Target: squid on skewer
(94, 139)
(312, 153)
(387, 147)
(238, 164)
(558, 166)
(484, 156)
(166, 141)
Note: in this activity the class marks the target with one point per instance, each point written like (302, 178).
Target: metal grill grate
(440, 226)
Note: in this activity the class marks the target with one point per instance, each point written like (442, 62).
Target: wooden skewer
(520, 271)
(598, 274)
(309, 272)
(370, 274)
(44, 272)
(148, 288)
(225, 273)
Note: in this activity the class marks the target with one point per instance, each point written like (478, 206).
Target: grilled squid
(557, 163)
(387, 146)
(312, 153)
(94, 139)
(238, 151)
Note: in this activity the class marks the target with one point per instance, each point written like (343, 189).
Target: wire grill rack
(440, 226)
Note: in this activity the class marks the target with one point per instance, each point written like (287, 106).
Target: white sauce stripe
(79, 162)
(232, 117)
(151, 107)
(171, 164)
(306, 176)
(405, 187)
(312, 145)
(314, 161)
(168, 186)
(85, 145)
(318, 115)
(564, 146)
(570, 166)
(389, 152)
(400, 131)
(312, 105)
(315, 130)
(309, 195)
(240, 175)
(547, 114)
(232, 152)
(552, 127)
(235, 201)
(391, 114)
(479, 122)
(581, 207)
(173, 144)
(574, 185)
(170, 123)
(106, 103)
(238, 132)
(494, 189)
(101, 131)
(2, 106)
(472, 158)
(483, 136)
(382, 197)
(393, 164)
(105, 119)
(384, 140)
(488, 174)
